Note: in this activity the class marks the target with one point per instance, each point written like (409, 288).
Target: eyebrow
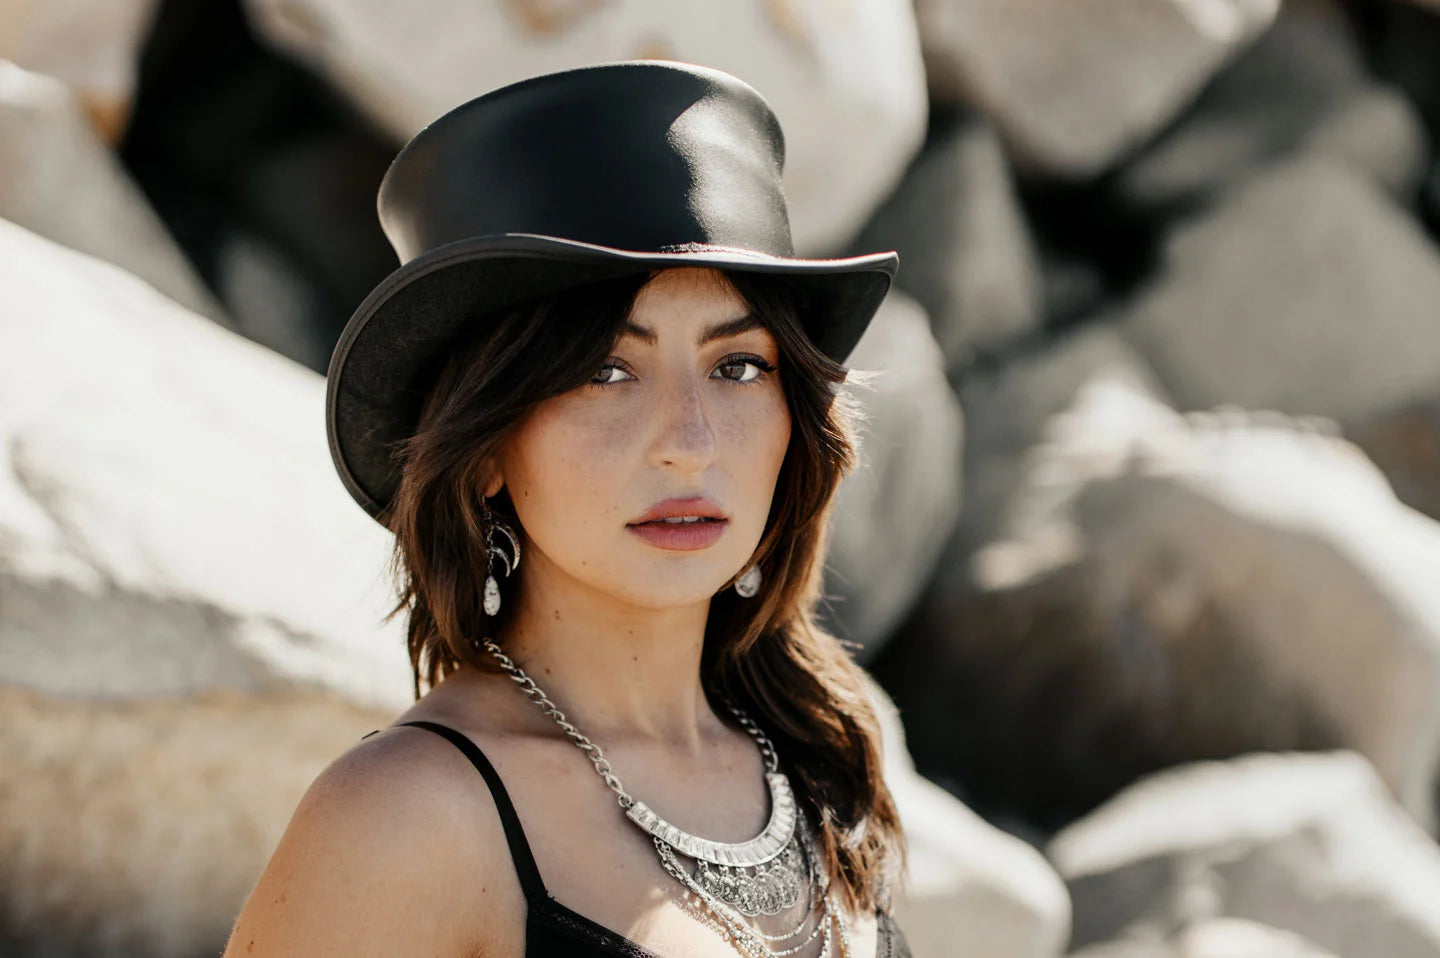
(731, 327)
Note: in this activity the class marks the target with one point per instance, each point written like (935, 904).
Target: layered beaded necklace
(734, 881)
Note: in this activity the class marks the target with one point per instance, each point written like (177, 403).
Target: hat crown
(646, 155)
(552, 183)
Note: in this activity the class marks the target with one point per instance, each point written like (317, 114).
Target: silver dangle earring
(749, 583)
(492, 551)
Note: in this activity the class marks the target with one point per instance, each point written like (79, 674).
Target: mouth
(680, 533)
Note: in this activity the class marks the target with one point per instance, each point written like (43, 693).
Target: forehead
(689, 303)
(687, 295)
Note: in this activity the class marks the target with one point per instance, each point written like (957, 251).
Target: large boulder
(963, 241)
(157, 469)
(91, 45)
(138, 827)
(1305, 290)
(1007, 412)
(1311, 844)
(1303, 87)
(894, 513)
(59, 179)
(1164, 588)
(192, 611)
(972, 888)
(1076, 86)
(847, 83)
(186, 588)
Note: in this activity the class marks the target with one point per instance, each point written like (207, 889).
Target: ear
(491, 476)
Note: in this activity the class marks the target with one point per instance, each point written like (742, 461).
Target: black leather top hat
(556, 181)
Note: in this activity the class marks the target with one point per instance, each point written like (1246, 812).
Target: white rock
(973, 889)
(168, 512)
(1162, 588)
(59, 179)
(1310, 843)
(894, 513)
(1302, 87)
(1008, 411)
(965, 248)
(91, 45)
(1304, 290)
(846, 80)
(1331, 603)
(139, 828)
(1074, 86)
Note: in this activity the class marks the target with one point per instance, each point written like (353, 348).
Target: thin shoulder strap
(519, 848)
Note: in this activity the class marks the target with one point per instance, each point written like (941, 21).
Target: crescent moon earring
(494, 552)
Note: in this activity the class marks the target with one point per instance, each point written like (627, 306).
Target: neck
(624, 675)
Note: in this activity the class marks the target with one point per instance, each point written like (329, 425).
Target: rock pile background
(1142, 555)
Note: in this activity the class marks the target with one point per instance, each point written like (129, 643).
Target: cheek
(562, 469)
(778, 433)
(757, 437)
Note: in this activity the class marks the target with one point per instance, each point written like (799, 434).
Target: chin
(659, 591)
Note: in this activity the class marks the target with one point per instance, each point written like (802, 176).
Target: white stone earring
(749, 583)
(492, 588)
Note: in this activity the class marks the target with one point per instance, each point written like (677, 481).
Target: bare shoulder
(391, 851)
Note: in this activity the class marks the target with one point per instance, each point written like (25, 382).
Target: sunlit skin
(608, 624)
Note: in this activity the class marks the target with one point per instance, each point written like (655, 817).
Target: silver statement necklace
(734, 881)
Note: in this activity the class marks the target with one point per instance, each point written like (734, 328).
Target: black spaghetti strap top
(555, 931)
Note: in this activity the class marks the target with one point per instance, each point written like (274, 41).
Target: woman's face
(688, 407)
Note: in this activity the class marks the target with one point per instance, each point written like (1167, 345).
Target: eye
(744, 368)
(605, 375)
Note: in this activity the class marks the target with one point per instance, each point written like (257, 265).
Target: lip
(692, 506)
(681, 537)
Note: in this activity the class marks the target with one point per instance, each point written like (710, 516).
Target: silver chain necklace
(763, 875)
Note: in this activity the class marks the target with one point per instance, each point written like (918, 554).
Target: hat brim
(373, 397)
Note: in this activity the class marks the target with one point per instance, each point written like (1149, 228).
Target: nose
(686, 438)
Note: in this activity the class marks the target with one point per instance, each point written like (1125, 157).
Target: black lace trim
(577, 926)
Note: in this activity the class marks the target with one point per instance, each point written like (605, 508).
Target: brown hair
(767, 654)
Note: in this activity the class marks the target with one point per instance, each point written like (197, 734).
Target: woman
(598, 406)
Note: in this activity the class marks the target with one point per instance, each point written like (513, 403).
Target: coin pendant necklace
(734, 881)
